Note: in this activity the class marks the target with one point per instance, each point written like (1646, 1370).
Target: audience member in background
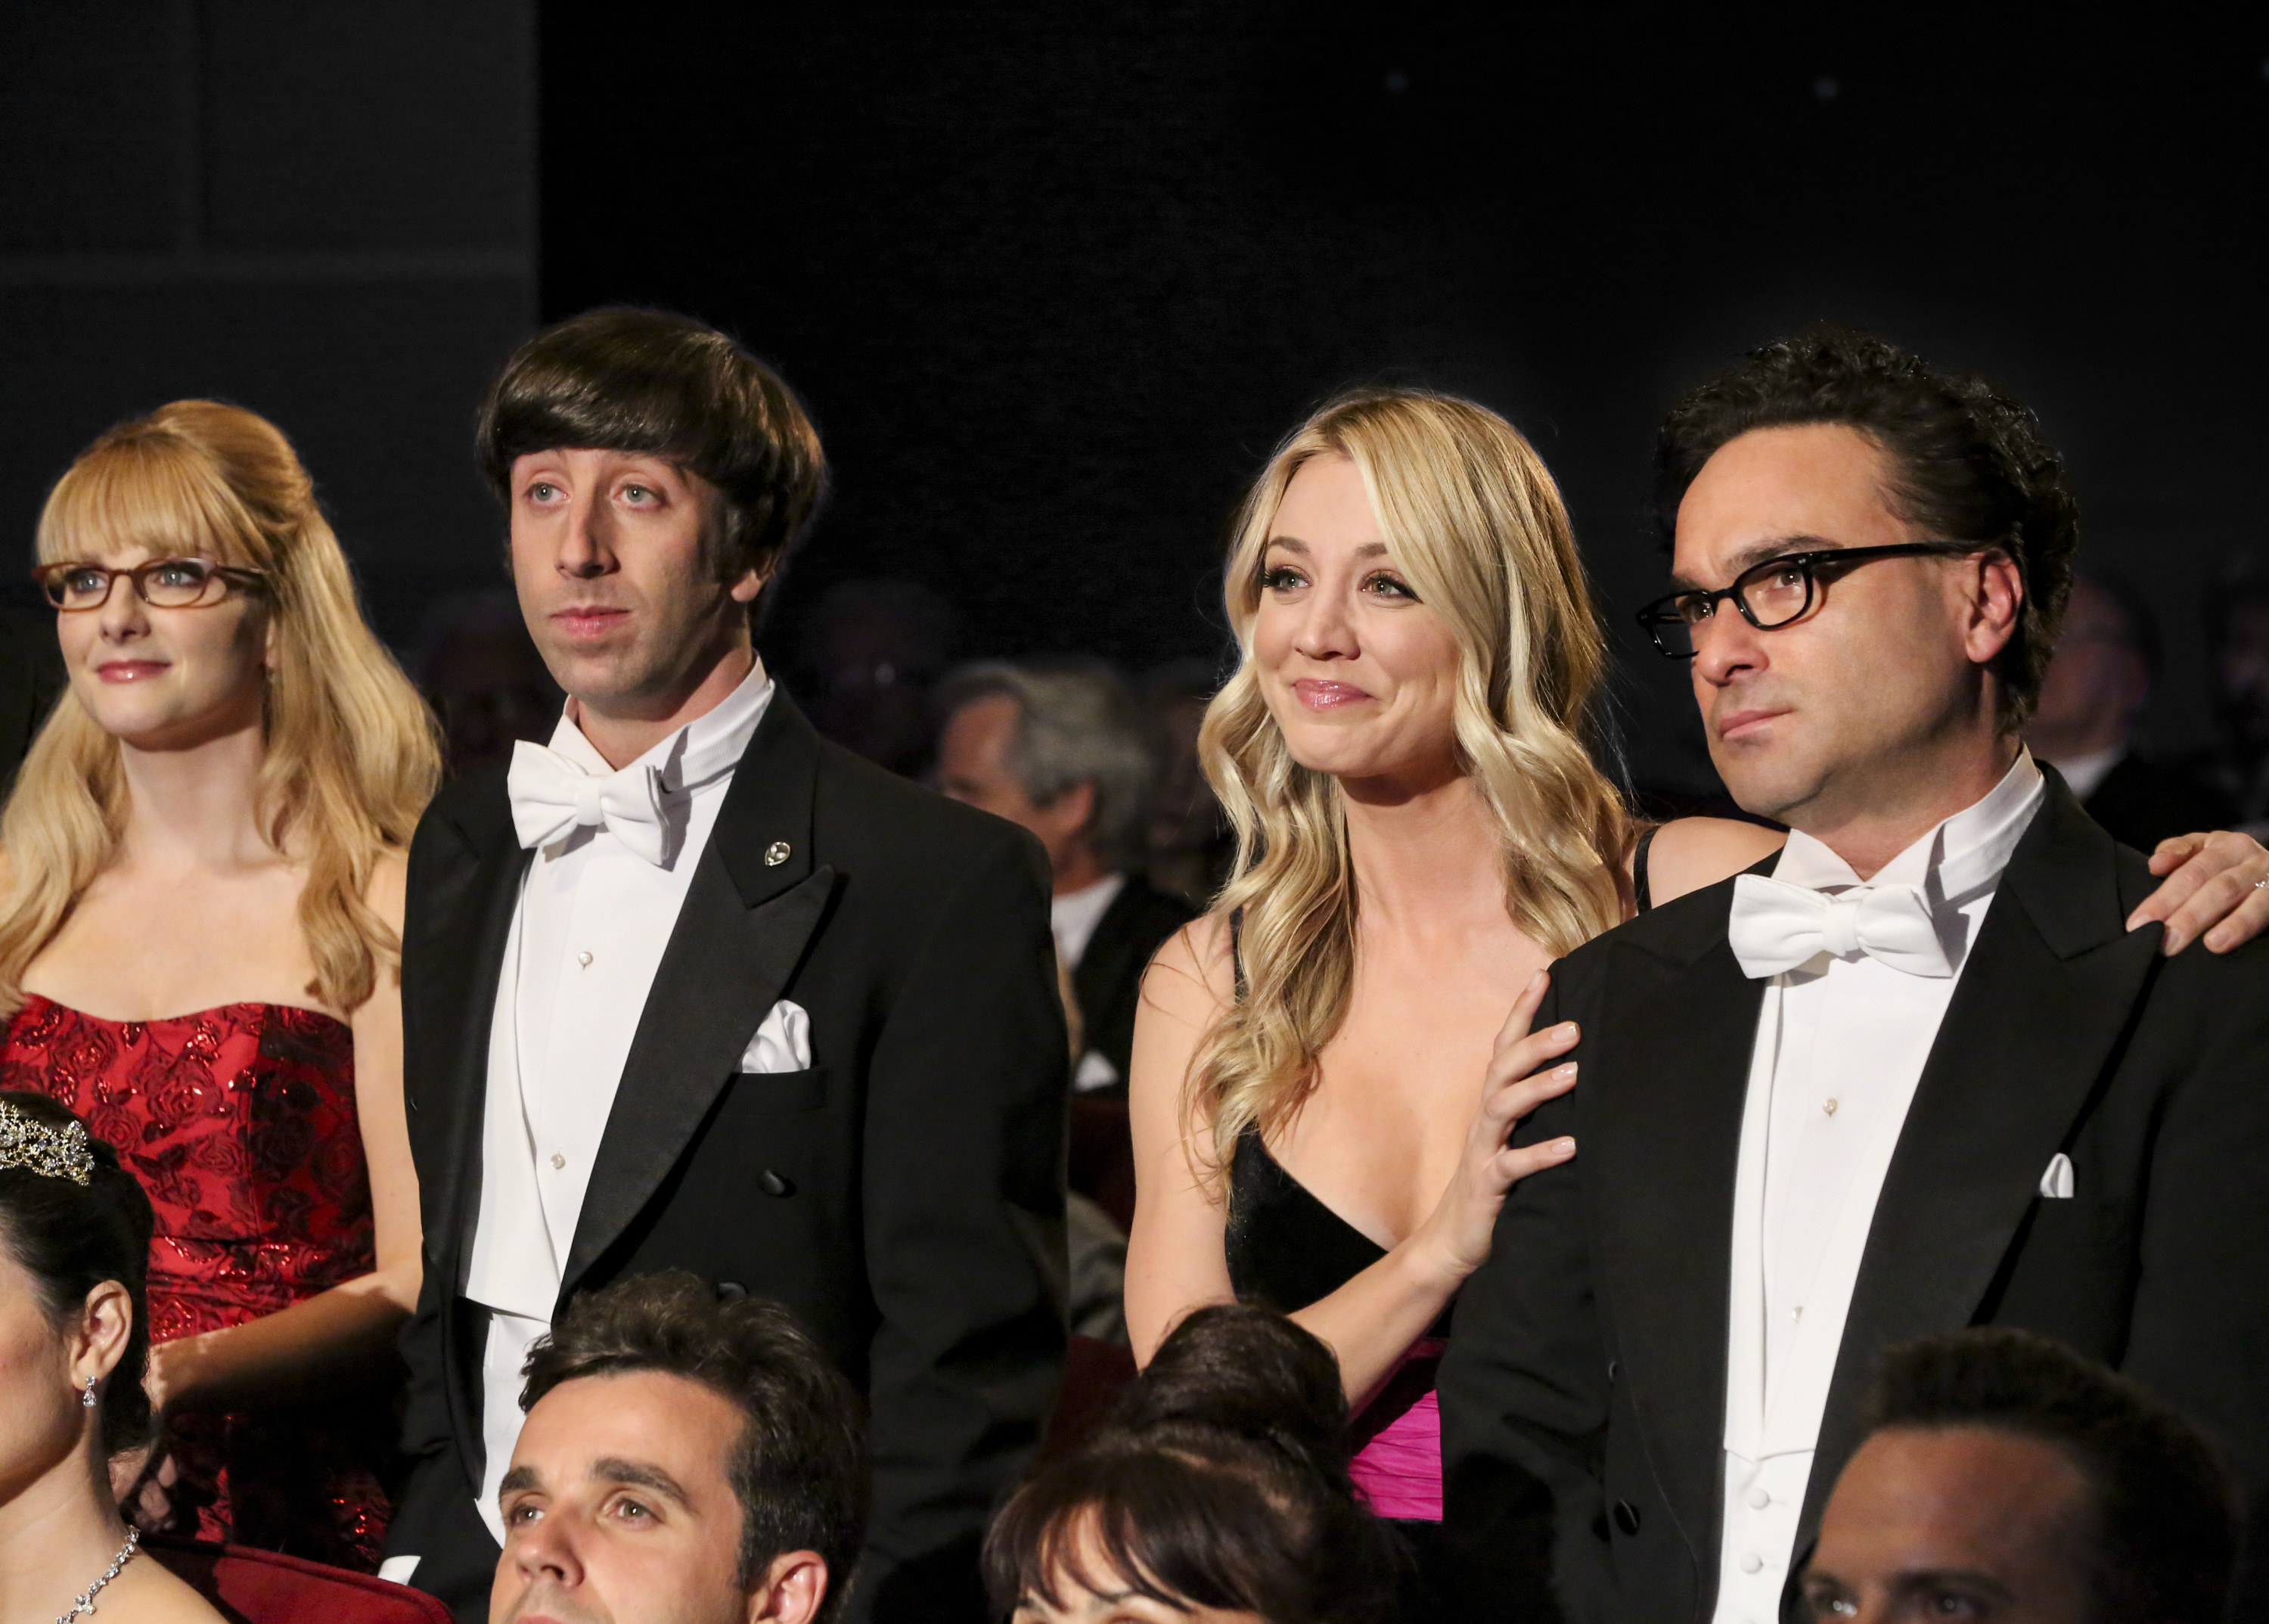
(686, 1460)
(692, 987)
(1063, 753)
(74, 1244)
(1217, 1494)
(199, 949)
(2005, 1478)
(479, 670)
(1326, 1066)
(2237, 634)
(868, 654)
(1190, 846)
(2106, 658)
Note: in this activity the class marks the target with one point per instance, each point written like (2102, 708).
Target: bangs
(151, 492)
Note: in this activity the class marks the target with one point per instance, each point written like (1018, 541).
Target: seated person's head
(1062, 752)
(2005, 1478)
(683, 1459)
(1217, 1494)
(74, 1251)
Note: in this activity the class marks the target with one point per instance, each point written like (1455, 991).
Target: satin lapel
(464, 923)
(453, 953)
(755, 900)
(1679, 1024)
(2051, 986)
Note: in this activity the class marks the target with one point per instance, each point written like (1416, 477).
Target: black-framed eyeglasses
(161, 583)
(1774, 594)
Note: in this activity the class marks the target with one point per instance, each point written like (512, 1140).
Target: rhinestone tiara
(54, 1152)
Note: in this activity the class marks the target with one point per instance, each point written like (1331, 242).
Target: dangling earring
(86, 1399)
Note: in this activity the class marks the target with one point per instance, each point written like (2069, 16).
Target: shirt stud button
(558, 1161)
(1751, 1563)
(1830, 1108)
(1759, 1500)
(776, 854)
(584, 959)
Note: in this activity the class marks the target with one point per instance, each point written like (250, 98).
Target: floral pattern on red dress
(240, 1123)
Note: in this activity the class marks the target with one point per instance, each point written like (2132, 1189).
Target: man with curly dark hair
(1926, 1067)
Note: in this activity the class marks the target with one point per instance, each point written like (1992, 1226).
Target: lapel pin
(776, 854)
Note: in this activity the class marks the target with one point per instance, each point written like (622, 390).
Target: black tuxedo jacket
(1108, 981)
(903, 1197)
(1583, 1396)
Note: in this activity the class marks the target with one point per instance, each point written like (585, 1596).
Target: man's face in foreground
(618, 1510)
(1954, 1522)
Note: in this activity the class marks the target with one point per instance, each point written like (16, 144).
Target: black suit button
(1614, 1369)
(731, 1291)
(773, 1183)
(1627, 1516)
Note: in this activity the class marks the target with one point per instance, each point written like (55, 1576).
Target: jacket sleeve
(1523, 1398)
(2198, 1333)
(963, 1201)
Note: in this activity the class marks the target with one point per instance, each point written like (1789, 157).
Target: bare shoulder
(1690, 853)
(1193, 975)
(389, 885)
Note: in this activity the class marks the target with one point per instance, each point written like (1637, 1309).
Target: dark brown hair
(70, 1239)
(800, 1466)
(1220, 1481)
(1971, 464)
(655, 384)
(2163, 1538)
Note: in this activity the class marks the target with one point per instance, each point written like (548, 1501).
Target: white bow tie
(551, 795)
(1776, 926)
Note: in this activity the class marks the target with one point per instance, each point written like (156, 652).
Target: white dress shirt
(1841, 1045)
(587, 937)
(1072, 918)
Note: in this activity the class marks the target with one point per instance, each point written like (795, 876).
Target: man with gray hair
(1062, 751)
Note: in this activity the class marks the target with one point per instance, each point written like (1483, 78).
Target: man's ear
(791, 1590)
(1995, 596)
(751, 582)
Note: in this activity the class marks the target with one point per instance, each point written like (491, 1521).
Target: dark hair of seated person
(1220, 1481)
(2164, 1541)
(799, 1467)
(70, 1239)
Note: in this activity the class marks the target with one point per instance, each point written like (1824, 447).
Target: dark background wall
(1055, 279)
(323, 213)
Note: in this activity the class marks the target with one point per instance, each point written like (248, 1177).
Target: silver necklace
(85, 1603)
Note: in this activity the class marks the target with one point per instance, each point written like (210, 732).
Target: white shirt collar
(1075, 915)
(706, 747)
(1964, 854)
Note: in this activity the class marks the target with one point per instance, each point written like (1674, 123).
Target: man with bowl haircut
(691, 988)
(686, 1461)
(1926, 1067)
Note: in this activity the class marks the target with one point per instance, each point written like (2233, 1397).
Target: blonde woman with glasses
(198, 933)
(1328, 1064)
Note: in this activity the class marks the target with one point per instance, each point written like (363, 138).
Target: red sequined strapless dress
(240, 1123)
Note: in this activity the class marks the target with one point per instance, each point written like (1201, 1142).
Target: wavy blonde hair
(1469, 513)
(352, 754)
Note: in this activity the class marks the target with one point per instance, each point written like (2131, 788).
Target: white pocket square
(783, 1044)
(2056, 1184)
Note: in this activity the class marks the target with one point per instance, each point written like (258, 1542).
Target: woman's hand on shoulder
(1689, 853)
(2217, 889)
(1522, 1076)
